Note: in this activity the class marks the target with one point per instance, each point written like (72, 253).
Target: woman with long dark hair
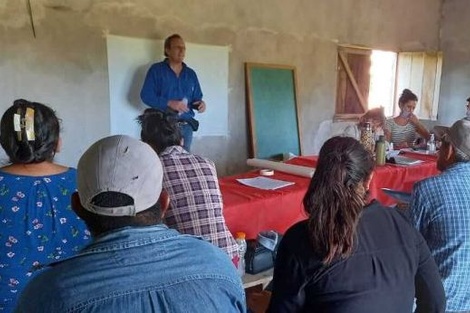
(351, 255)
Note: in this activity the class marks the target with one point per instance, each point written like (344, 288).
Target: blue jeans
(187, 134)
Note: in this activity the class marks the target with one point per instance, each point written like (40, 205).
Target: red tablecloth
(253, 210)
(391, 176)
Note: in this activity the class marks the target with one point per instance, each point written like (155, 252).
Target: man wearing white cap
(135, 264)
(440, 210)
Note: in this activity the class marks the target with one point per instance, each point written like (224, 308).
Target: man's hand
(178, 106)
(202, 106)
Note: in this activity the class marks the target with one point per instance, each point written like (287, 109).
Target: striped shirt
(195, 198)
(440, 210)
(400, 134)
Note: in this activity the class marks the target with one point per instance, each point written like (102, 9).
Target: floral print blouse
(37, 227)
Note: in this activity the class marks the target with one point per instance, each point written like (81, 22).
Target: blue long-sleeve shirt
(162, 85)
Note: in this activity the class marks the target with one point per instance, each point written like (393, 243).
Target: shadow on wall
(138, 78)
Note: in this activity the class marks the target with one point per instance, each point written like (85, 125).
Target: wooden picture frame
(272, 110)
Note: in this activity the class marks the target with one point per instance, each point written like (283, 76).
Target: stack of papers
(265, 183)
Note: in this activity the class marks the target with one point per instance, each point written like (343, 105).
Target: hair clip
(17, 123)
(26, 123)
(29, 124)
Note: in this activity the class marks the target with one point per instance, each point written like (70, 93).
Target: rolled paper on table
(298, 170)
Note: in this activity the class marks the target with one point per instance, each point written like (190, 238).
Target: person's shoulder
(192, 242)
(70, 172)
(296, 233)
(40, 290)
(158, 66)
(377, 214)
(203, 160)
(197, 159)
(386, 223)
(431, 182)
(375, 208)
(390, 121)
(203, 252)
(189, 69)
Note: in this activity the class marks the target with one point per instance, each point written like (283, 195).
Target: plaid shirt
(195, 198)
(440, 210)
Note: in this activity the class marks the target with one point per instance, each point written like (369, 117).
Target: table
(253, 210)
(397, 177)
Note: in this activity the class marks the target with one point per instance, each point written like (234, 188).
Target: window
(372, 78)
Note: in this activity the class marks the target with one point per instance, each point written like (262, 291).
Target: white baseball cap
(120, 164)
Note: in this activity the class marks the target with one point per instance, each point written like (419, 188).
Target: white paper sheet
(265, 183)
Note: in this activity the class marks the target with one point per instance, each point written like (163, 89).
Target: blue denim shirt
(146, 269)
(161, 85)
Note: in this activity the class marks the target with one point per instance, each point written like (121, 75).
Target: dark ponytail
(336, 196)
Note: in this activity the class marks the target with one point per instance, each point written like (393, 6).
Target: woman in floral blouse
(37, 224)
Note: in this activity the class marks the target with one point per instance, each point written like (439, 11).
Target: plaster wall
(65, 65)
(455, 44)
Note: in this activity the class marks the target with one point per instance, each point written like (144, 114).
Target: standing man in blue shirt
(135, 263)
(172, 85)
(440, 210)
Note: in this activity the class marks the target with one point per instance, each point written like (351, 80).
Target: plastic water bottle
(241, 241)
(431, 145)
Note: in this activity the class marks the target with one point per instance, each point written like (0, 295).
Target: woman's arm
(420, 128)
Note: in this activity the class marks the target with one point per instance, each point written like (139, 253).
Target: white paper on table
(264, 183)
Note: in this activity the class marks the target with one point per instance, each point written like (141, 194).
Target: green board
(273, 111)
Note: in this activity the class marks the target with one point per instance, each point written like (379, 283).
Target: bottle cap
(240, 235)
